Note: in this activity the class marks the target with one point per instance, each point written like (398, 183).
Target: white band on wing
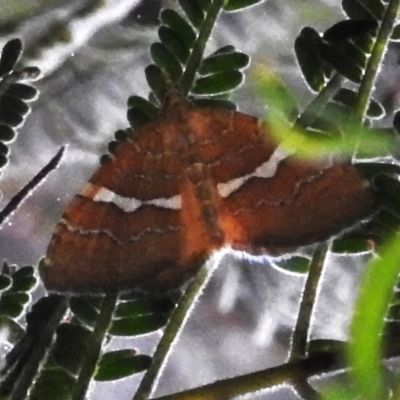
(266, 170)
(127, 204)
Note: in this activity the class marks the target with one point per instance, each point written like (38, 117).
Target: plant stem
(171, 333)
(14, 203)
(94, 348)
(375, 59)
(199, 46)
(31, 364)
(302, 330)
(269, 378)
(315, 365)
(316, 106)
(304, 389)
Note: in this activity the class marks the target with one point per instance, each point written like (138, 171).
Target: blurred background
(92, 54)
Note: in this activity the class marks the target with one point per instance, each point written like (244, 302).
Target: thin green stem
(198, 49)
(375, 59)
(315, 365)
(304, 389)
(316, 106)
(14, 203)
(32, 362)
(171, 333)
(303, 324)
(94, 348)
(256, 381)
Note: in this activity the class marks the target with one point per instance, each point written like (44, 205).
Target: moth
(190, 182)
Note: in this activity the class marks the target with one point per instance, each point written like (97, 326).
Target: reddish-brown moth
(190, 182)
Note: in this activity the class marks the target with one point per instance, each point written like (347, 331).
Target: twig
(316, 106)
(375, 59)
(171, 333)
(30, 365)
(14, 203)
(240, 385)
(196, 55)
(304, 389)
(302, 329)
(93, 351)
(315, 365)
